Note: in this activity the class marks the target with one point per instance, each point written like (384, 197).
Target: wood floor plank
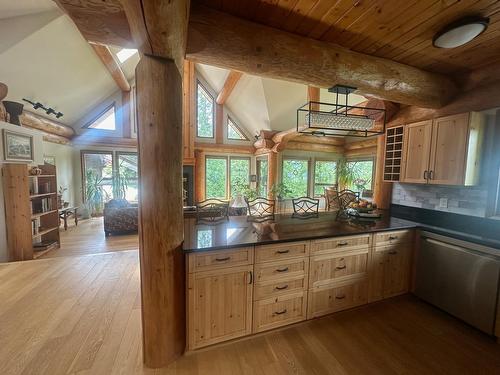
(81, 315)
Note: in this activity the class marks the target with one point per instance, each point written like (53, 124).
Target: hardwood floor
(81, 315)
(88, 238)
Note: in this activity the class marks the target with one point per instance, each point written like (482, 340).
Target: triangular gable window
(105, 120)
(234, 132)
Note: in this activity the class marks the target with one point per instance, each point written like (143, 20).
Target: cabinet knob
(281, 287)
(282, 251)
(341, 268)
(280, 312)
(425, 175)
(282, 269)
(340, 297)
(222, 259)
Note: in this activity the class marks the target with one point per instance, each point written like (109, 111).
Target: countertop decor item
(35, 171)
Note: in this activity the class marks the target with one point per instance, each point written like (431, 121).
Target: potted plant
(94, 194)
(345, 174)
(60, 197)
(279, 192)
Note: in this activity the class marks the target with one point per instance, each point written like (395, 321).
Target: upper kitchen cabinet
(443, 151)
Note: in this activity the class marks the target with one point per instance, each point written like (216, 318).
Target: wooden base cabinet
(279, 311)
(219, 302)
(337, 297)
(390, 273)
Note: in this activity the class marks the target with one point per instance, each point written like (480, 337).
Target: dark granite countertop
(240, 231)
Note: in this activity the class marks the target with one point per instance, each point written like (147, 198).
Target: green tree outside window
(205, 113)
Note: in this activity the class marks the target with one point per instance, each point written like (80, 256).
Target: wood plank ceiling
(397, 30)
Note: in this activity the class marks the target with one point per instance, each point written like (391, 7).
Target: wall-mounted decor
(49, 159)
(48, 110)
(14, 109)
(17, 146)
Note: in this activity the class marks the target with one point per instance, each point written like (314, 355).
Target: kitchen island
(247, 276)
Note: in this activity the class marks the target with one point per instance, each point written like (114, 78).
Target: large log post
(382, 191)
(199, 170)
(159, 113)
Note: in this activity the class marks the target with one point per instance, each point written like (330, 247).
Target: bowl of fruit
(362, 208)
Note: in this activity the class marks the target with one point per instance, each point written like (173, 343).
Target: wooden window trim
(214, 120)
(89, 124)
(237, 128)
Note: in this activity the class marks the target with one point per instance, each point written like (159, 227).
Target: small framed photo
(17, 146)
(49, 159)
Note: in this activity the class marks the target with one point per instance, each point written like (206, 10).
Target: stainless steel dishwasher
(459, 277)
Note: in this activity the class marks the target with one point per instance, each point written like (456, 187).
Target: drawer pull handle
(251, 277)
(393, 252)
(281, 287)
(340, 297)
(343, 243)
(341, 268)
(222, 259)
(282, 251)
(280, 312)
(393, 238)
(282, 269)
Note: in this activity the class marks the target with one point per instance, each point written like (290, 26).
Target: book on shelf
(33, 186)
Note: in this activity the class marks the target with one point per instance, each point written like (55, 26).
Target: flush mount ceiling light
(460, 32)
(340, 119)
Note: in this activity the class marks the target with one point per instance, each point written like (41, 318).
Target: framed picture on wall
(49, 159)
(17, 146)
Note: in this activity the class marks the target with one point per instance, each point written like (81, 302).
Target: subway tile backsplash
(461, 200)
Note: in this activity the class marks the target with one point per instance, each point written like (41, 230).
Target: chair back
(305, 206)
(331, 199)
(347, 196)
(261, 207)
(212, 210)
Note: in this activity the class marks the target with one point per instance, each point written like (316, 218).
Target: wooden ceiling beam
(231, 82)
(34, 121)
(113, 67)
(229, 42)
(101, 22)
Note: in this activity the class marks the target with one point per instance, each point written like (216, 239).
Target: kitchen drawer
(279, 311)
(325, 269)
(281, 269)
(266, 253)
(337, 297)
(340, 244)
(271, 288)
(393, 238)
(211, 260)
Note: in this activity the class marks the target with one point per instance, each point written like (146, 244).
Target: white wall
(66, 173)
(38, 159)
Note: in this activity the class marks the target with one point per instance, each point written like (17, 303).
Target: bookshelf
(393, 153)
(32, 217)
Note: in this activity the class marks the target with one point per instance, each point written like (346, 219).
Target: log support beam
(159, 113)
(229, 42)
(113, 67)
(229, 85)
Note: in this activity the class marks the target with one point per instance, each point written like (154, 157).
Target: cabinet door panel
(417, 147)
(397, 272)
(220, 305)
(377, 272)
(334, 267)
(279, 311)
(449, 148)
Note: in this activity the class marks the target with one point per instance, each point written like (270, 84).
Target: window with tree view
(295, 177)
(239, 173)
(126, 181)
(362, 175)
(234, 132)
(205, 113)
(97, 179)
(216, 177)
(262, 165)
(325, 174)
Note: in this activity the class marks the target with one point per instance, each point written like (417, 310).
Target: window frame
(199, 83)
(228, 159)
(94, 119)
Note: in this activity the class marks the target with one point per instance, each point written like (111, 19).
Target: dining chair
(212, 210)
(331, 199)
(345, 197)
(261, 207)
(305, 206)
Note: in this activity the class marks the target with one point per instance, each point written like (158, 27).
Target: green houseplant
(94, 193)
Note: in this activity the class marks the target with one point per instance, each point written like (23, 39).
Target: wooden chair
(305, 206)
(212, 210)
(345, 197)
(261, 207)
(331, 199)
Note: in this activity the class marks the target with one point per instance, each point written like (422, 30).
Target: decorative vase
(15, 110)
(35, 171)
